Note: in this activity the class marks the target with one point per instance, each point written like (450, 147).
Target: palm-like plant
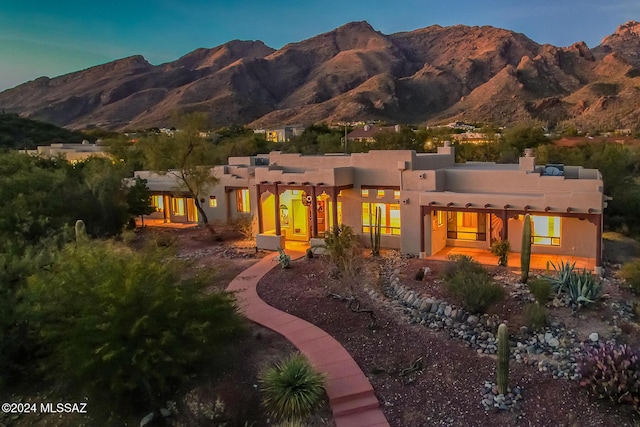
(292, 389)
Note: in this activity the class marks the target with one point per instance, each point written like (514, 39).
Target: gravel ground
(423, 376)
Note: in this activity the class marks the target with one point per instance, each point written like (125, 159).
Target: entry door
(300, 221)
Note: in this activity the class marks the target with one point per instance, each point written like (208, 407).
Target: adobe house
(427, 201)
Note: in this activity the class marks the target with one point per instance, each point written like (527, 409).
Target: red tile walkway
(351, 395)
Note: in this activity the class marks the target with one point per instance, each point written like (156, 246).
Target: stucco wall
(577, 238)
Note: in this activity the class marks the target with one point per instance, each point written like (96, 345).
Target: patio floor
(538, 261)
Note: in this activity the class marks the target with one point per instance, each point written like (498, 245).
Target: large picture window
(177, 206)
(242, 201)
(158, 203)
(389, 217)
(545, 230)
(467, 226)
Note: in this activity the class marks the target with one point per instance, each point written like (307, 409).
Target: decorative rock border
(555, 349)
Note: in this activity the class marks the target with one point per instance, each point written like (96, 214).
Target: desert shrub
(462, 264)
(501, 249)
(124, 325)
(164, 240)
(631, 274)
(541, 290)
(536, 316)
(291, 389)
(344, 249)
(612, 371)
(242, 224)
(475, 290)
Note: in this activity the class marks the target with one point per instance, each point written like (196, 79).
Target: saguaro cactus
(525, 251)
(81, 231)
(503, 359)
(375, 230)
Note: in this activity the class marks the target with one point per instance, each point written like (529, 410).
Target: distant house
(283, 134)
(474, 138)
(426, 201)
(72, 152)
(368, 133)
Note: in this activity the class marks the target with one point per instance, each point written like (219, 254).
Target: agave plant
(584, 288)
(563, 273)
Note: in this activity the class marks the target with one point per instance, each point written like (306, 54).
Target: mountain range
(431, 75)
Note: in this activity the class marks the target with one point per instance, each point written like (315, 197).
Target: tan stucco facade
(426, 200)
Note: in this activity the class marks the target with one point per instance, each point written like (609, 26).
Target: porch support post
(423, 211)
(504, 233)
(277, 207)
(314, 212)
(333, 193)
(599, 243)
(259, 208)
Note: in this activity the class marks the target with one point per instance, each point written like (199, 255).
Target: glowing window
(177, 206)
(396, 194)
(389, 217)
(466, 226)
(213, 203)
(364, 193)
(440, 218)
(545, 230)
(242, 201)
(158, 203)
(380, 194)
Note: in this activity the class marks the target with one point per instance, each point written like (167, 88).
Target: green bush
(344, 249)
(292, 389)
(122, 325)
(462, 264)
(536, 316)
(631, 274)
(541, 290)
(475, 290)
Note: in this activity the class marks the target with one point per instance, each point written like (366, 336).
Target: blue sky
(50, 38)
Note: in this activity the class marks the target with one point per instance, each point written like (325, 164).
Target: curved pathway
(350, 393)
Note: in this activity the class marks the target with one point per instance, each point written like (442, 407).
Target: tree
(124, 326)
(187, 156)
(139, 199)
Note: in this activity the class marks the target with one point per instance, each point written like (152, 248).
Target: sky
(51, 38)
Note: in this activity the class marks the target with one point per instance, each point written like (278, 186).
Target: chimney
(366, 128)
(447, 149)
(397, 128)
(528, 162)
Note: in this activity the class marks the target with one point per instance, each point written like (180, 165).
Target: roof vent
(553, 170)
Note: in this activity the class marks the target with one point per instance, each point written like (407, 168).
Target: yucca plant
(291, 389)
